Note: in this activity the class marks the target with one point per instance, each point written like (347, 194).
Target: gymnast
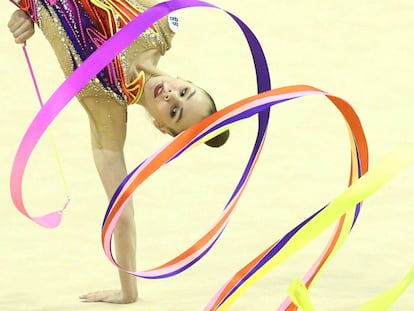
(75, 29)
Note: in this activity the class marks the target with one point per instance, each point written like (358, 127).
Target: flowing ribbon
(256, 105)
(80, 77)
(50, 133)
(196, 134)
(385, 300)
(300, 294)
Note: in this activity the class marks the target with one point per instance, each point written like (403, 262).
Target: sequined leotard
(76, 28)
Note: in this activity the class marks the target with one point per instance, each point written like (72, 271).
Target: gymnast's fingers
(23, 37)
(109, 296)
(21, 26)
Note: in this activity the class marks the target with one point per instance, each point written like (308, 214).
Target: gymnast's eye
(183, 92)
(173, 111)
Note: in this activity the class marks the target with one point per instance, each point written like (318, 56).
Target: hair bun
(218, 140)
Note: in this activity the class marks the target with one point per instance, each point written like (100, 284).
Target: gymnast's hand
(21, 26)
(108, 296)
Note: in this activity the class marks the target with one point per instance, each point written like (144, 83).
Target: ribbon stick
(50, 135)
(75, 82)
(89, 69)
(344, 210)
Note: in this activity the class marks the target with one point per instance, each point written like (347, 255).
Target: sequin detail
(78, 28)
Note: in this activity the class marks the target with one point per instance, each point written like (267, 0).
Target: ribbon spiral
(344, 210)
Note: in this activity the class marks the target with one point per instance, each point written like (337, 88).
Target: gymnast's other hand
(21, 26)
(108, 296)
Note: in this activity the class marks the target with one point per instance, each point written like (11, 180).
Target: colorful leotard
(76, 28)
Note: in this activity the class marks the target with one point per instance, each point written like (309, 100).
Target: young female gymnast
(75, 29)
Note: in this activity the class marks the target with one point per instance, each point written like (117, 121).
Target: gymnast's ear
(162, 128)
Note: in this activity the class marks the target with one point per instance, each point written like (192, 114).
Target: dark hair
(216, 141)
(221, 138)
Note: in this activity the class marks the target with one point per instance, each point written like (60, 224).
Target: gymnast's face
(175, 104)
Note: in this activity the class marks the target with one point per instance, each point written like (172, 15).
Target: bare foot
(108, 296)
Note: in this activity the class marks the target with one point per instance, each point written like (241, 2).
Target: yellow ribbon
(362, 188)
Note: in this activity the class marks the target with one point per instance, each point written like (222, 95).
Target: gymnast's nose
(170, 96)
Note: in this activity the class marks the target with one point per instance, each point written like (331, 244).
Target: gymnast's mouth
(158, 89)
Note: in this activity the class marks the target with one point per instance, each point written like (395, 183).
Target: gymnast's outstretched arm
(107, 119)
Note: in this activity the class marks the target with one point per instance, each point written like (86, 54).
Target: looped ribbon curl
(259, 105)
